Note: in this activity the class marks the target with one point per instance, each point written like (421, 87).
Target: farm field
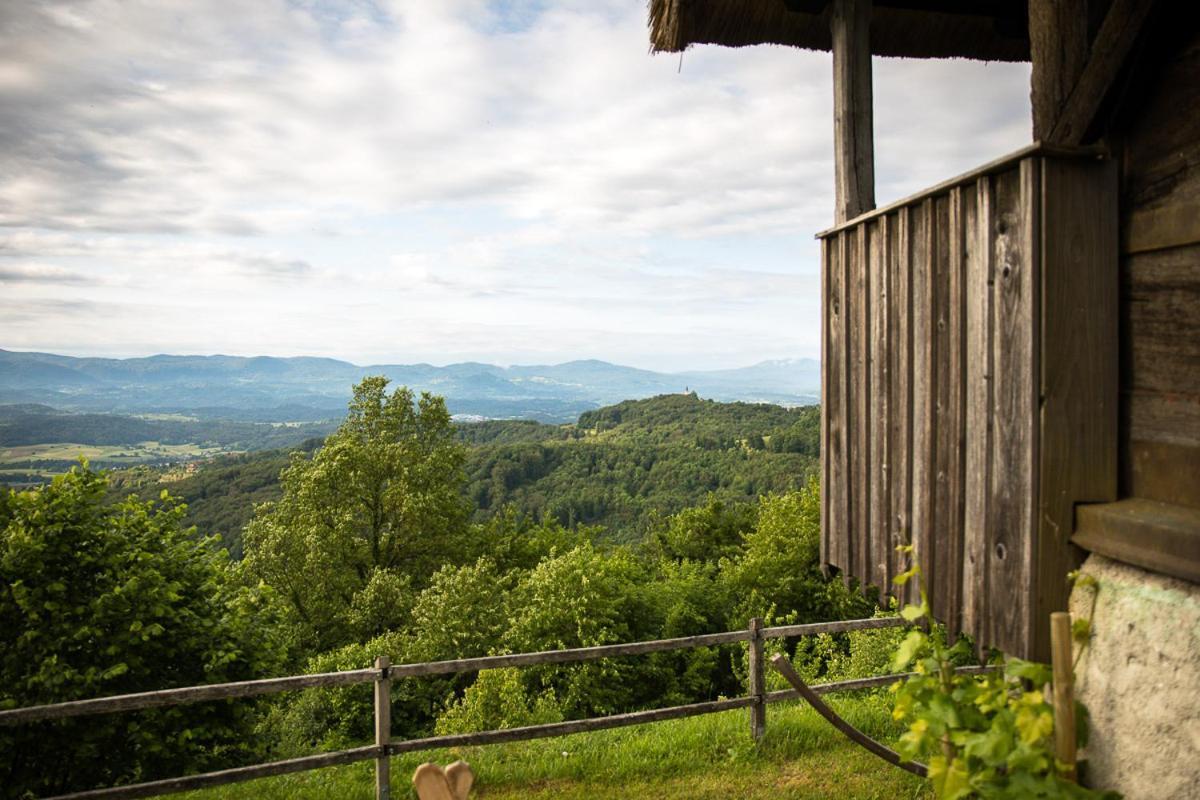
(37, 463)
(121, 453)
(801, 757)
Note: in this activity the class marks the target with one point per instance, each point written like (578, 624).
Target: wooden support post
(1113, 44)
(853, 119)
(1058, 49)
(758, 711)
(383, 729)
(1064, 690)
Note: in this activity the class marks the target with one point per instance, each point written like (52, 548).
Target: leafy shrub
(384, 604)
(102, 599)
(330, 718)
(498, 699)
(779, 573)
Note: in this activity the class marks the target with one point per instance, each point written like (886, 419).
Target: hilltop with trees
(623, 468)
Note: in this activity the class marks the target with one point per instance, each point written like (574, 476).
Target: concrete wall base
(1140, 679)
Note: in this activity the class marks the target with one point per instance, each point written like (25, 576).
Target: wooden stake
(757, 682)
(383, 729)
(1064, 690)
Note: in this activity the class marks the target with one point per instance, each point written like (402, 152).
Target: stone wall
(1140, 679)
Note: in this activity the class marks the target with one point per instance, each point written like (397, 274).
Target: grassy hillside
(622, 467)
(801, 757)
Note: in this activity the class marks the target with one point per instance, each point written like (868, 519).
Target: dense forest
(623, 468)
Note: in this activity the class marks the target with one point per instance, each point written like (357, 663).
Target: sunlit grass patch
(713, 756)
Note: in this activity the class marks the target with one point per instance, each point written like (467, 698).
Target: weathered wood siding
(1160, 281)
(969, 389)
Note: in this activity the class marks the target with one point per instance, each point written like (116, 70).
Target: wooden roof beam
(853, 116)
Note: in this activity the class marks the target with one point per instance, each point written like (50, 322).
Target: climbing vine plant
(985, 736)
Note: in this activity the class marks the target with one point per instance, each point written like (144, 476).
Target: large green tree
(379, 506)
(99, 599)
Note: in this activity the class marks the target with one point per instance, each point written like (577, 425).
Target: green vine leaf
(908, 649)
(1081, 630)
(987, 736)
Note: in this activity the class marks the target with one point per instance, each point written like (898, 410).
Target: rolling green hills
(621, 467)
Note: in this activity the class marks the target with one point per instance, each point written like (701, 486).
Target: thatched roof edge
(895, 31)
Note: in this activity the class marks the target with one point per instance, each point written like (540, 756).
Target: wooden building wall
(969, 388)
(1154, 129)
(1160, 284)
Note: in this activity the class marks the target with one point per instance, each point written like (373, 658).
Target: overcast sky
(436, 180)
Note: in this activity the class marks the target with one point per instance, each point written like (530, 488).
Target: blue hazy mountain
(264, 388)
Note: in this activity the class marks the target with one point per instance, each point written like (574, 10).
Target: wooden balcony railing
(969, 387)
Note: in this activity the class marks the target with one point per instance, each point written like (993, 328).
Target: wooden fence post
(383, 728)
(1064, 690)
(757, 688)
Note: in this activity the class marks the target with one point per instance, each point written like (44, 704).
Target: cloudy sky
(409, 180)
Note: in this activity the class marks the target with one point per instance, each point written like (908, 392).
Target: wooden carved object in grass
(431, 782)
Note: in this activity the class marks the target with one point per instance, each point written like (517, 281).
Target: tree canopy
(379, 506)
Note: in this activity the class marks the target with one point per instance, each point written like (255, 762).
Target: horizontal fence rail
(185, 695)
(383, 674)
(221, 691)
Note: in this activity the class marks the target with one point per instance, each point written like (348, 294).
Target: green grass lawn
(802, 756)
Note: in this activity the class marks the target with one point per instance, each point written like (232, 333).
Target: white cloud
(451, 163)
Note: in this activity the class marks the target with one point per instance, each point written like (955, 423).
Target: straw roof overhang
(986, 30)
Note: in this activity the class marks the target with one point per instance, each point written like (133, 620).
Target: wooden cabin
(1011, 358)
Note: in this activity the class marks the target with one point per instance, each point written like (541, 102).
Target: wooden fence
(969, 388)
(383, 673)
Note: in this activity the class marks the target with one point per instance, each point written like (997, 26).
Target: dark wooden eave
(987, 30)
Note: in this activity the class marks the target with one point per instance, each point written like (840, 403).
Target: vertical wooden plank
(853, 122)
(850, 394)
(860, 402)
(1078, 427)
(835, 414)
(938, 585)
(947, 594)
(900, 392)
(924, 379)
(1014, 409)
(978, 376)
(880, 348)
(826, 380)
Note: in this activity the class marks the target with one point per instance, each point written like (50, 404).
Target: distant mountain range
(268, 389)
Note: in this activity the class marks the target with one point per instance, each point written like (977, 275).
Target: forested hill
(620, 467)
